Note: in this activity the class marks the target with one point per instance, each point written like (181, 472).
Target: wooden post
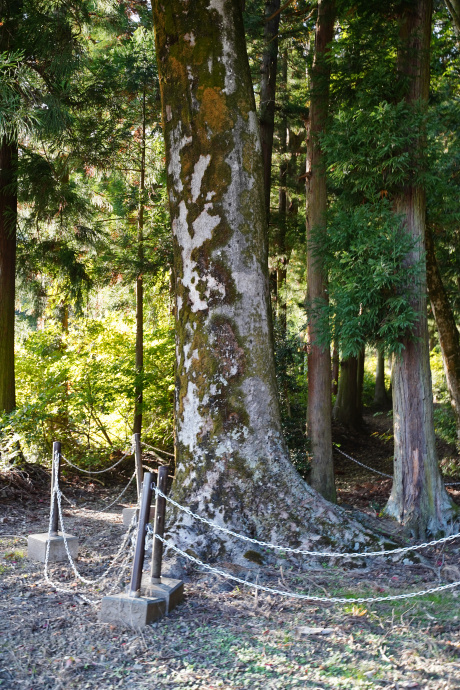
(54, 504)
(138, 461)
(159, 528)
(144, 514)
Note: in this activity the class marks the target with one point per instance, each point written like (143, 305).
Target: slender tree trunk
(335, 369)
(280, 244)
(268, 91)
(139, 387)
(447, 328)
(418, 498)
(232, 462)
(360, 386)
(454, 8)
(319, 358)
(8, 212)
(346, 404)
(380, 393)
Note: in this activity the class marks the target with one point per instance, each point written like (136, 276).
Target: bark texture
(8, 211)
(232, 462)
(447, 328)
(319, 358)
(418, 498)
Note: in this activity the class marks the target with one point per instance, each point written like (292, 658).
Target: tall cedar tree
(8, 212)
(418, 498)
(232, 463)
(26, 30)
(319, 358)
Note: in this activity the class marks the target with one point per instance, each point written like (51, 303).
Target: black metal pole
(54, 503)
(144, 514)
(159, 528)
(138, 461)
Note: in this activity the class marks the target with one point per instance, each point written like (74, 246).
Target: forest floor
(223, 636)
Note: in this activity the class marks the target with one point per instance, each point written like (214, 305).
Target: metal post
(138, 461)
(144, 514)
(54, 503)
(159, 528)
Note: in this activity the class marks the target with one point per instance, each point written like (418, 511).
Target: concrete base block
(36, 547)
(138, 612)
(172, 591)
(129, 512)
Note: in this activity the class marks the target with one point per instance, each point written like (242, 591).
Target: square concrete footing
(36, 547)
(156, 601)
(128, 513)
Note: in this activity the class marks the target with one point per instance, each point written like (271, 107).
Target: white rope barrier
(382, 474)
(96, 512)
(372, 469)
(307, 597)
(302, 552)
(158, 450)
(57, 493)
(107, 469)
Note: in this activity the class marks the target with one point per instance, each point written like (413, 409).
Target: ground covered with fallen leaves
(223, 636)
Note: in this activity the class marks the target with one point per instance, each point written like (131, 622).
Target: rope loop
(302, 552)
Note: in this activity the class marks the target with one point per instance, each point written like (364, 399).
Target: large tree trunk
(8, 211)
(319, 358)
(232, 462)
(418, 498)
(380, 393)
(447, 328)
(268, 91)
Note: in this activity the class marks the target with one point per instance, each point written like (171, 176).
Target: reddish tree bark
(8, 211)
(319, 358)
(418, 498)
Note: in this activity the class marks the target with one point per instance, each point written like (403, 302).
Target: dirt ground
(225, 636)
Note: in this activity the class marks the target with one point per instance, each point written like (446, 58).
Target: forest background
(94, 303)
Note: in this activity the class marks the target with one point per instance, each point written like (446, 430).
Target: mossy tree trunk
(8, 212)
(447, 328)
(418, 498)
(319, 357)
(232, 462)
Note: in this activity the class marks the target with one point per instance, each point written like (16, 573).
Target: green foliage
(364, 252)
(372, 151)
(79, 388)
